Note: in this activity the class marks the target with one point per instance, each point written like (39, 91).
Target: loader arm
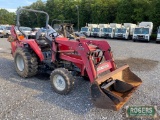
(108, 90)
(85, 51)
(82, 49)
(104, 46)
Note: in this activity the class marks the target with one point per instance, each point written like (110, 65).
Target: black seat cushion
(42, 42)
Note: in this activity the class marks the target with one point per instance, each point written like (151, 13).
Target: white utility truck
(102, 29)
(109, 31)
(126, 31)
(143, 31)
(87, 29)
(95, 30)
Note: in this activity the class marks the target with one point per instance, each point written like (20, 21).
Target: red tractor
(110, 87)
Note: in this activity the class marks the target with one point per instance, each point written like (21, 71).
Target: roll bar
(30, 10)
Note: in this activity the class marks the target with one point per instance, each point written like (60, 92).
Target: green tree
(125, 11)
(32, 19)
(141, 11)
(6, 17)
(155, 13)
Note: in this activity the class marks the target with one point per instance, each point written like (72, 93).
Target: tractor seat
(40, 39)
(42, 42)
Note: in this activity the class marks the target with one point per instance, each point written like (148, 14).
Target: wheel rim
(59, 82)
(20, 63)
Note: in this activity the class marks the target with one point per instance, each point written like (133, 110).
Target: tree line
(97, 11)
(7, 17)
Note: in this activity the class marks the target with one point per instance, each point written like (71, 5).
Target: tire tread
(30, 61)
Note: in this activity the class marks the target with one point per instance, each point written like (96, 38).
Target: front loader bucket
(113, 90)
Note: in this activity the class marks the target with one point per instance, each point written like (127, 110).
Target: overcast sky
(12, 5)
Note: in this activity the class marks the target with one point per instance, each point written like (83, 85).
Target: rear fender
(13, 40)
(34, 46)
(31, 42)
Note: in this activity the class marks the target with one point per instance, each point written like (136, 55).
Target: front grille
(141, 37)
(84, 33)
(106, 35)
(95, 34)
(120, 35)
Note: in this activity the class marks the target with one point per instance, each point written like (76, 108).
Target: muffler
(112, 91)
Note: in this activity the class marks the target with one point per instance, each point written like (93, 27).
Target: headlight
(146, 37)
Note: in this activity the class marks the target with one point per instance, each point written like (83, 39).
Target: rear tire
(25, 63)
(62, 81)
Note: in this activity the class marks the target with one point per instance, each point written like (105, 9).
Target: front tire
(62, 81)
(25, 63)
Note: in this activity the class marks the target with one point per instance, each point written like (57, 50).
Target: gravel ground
(33, 98)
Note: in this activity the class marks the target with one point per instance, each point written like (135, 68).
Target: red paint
(77, 52)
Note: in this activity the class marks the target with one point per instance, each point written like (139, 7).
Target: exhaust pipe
(114, 89)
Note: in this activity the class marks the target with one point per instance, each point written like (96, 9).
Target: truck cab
(108, 32)
(95, 32)
(125, 31)
(86, 31)
(141, 34)
(103, 28)
(111, 29)
(143, 31)
(120, 33)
